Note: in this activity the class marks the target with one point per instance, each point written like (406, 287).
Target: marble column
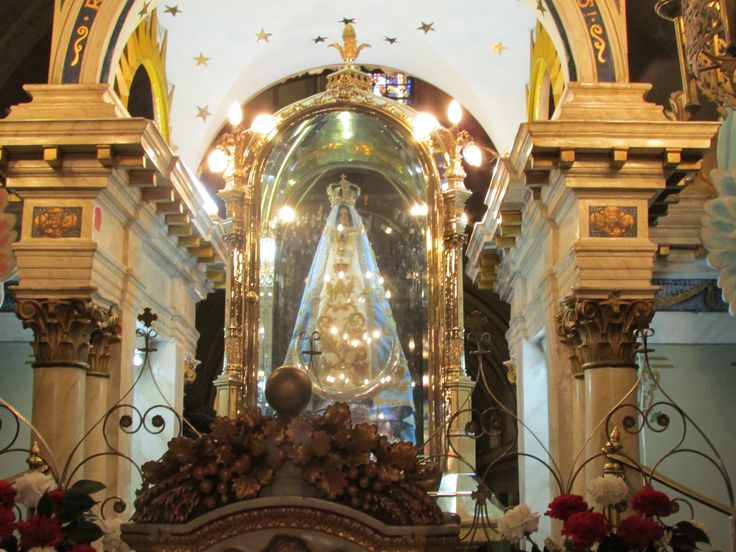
(61, 342)
(602, 331)
(104, 353)
(570, 339)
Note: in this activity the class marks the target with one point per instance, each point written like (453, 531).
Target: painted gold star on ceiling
(144, 9)
(319, 38)
(498, 48)
(203, 112)
(347, 20)
(390, 40)
(262, 36)
(426, 27)
(201, 59)
(540, 7)
(173, 10)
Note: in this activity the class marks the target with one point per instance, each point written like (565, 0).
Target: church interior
(340, 276)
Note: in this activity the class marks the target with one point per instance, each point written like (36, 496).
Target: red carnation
(7, 494)
(83, 548)
(639, 531)
(57, 498)
(649, 502)
(585, 528)
(563, 506)
(40, 531)
(7, 523)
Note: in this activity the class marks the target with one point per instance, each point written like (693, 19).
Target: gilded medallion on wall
(612, 221)
(56, 222)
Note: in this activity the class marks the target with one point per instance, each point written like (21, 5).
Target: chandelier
(706, 38)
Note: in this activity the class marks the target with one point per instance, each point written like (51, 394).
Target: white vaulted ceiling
(457, 56)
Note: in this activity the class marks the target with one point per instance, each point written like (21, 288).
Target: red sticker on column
(98, 218)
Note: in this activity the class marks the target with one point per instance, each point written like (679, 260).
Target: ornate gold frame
(349, 89)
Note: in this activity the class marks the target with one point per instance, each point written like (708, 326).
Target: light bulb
(472, 155)
(235, 114)
(454, 112)
(217, 161)
(263, 124)
(424, 124)
(287, 214)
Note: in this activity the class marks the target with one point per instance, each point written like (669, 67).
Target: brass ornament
(349, 49)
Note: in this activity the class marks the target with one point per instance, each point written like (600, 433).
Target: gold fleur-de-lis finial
(349, 49)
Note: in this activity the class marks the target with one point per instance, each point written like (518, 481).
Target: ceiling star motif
(390, 40)
(426, 27)
(263, 36)
(498, 48)
(203, 112)
(173, 10)
(347, 20)
(319, 38)
(201, 59)
(144, 9)
(540, 7)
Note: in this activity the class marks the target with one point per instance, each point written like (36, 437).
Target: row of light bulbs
(423, 125)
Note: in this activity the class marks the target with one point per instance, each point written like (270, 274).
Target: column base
(229, 395)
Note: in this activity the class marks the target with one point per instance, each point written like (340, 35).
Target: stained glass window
(397, 86)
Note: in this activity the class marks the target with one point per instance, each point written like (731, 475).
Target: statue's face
(343, 217)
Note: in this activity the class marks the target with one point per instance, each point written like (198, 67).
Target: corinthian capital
(102, 342)
(601, 331)
(61, 329)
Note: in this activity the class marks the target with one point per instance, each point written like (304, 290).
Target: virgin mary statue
(360, 358)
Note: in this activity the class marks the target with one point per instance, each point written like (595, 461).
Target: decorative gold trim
(292, 518)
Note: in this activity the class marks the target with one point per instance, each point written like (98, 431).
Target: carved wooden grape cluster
(346, 463)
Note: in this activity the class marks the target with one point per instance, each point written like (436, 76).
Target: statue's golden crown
(343, 192)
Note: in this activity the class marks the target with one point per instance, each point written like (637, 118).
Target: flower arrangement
(583, 528)
(58, 520)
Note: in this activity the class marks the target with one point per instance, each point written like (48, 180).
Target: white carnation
(608, 490)
(517, 522)
(30, 487)
(42, 549)
(111, 540)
